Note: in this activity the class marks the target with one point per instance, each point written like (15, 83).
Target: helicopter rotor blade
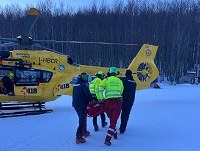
(42, 41)
(29, 21)
(100, 43)
(81, 42)
(9, 39)
(8, 44)
(43, 47)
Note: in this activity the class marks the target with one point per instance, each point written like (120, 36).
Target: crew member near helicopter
(80, 99)
(128, 99)
(94, 90)
(112, 86)
(8, 83)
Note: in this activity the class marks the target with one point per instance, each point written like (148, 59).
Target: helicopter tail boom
(143, 67)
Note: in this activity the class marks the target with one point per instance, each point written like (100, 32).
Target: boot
(96, 128)
(86, 134)
(121, 131)
(80, 140)
(107, 141)
(115, 135)
(11, 94)
(104, 124)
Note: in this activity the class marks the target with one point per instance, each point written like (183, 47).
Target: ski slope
(165, 119)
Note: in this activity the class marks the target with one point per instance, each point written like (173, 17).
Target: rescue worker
(94, 90)
(80, 99)
(8, 83)
(128, 99)
(111, 90)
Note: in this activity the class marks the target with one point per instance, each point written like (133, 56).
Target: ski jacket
(129, 91)
(94, 87)
(81, 95)
(111, 87)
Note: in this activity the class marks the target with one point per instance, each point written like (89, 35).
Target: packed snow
(165, 119)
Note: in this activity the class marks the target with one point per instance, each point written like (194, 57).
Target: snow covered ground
(165, 119)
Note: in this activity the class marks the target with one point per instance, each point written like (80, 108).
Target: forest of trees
(174, 27)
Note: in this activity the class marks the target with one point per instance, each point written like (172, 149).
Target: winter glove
(100, 101)
(93, 101)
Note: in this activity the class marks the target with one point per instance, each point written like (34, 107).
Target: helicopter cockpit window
(75, 79)
(46, 76)
(32, 77)
(27, 77)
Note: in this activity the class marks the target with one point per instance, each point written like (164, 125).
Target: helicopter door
(27, 82)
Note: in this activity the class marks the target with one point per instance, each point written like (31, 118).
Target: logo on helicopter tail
(148, 52)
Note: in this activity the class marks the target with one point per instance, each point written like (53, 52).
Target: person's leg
(103, 119)
(94, 120)
(124, 118)
(79, 132)
(86, 133)
(5, 85)
(115, 107)
(11, 88)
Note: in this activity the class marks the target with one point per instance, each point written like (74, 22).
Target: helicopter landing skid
(22, 109)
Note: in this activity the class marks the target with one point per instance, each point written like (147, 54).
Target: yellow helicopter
(44, 75)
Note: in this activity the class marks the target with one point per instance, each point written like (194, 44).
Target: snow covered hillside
(165, 119)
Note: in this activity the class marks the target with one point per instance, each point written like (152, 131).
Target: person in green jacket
(8, 83)
(110, 92)
(94, 90)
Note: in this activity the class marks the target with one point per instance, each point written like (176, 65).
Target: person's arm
(122, 86)
(92, 86)
(87, 92)
(101, 89)
(97, 89)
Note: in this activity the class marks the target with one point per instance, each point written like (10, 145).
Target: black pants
(103, 119)
(81, 112)
(124, 117)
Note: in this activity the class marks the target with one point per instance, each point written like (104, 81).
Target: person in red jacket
(110, 91)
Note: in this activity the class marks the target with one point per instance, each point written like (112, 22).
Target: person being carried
(128, 96)
(110, 91)
(94, 90)
(80, 99)
(8, 83)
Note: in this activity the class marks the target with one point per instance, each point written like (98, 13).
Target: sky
(165, 119)
(72, 3)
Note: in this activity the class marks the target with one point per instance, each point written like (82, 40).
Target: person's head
(84, 76)
(10, 74)
(113, 71)
(128, 73)
(100, 74)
